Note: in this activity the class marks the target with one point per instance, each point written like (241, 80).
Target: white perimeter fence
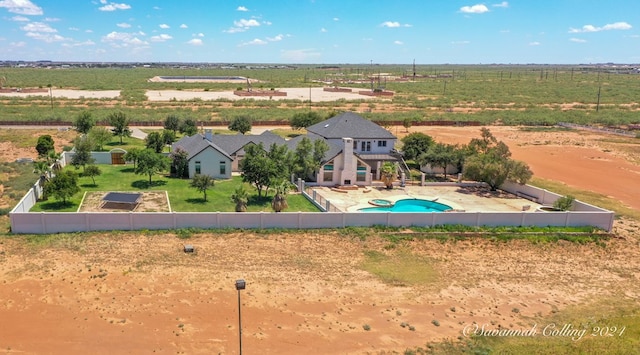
(582, 214)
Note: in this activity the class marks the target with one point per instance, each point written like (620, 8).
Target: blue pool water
(410, 205)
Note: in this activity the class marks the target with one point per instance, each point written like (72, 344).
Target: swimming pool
(410, 205)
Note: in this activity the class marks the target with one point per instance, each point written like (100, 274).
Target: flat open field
(139, 293)
(316, 291)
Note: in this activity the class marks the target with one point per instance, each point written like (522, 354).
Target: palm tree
(41, 167)
(388, 172)
(53, 159)
(240, 197)
(279, 202)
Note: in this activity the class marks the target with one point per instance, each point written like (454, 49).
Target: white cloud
(275, 39)
(460, 42)
(113, 6)
(390, 24)
(323, 30)
(336, 19)
(122, 39)
(195, 42)
(22, 7)
(38, 27)
(123, 25)
(255, 42)
(161, 38)
(243, 25)
(502, 4)
(242, 8)
(535, 43)
(164, 26)
(398, 43)
(51, 19)
(20, 19)
(607, 27)
(80, 44)
(393, 24)
(46, 37)
(199, 34)
(474, 9)
(578, 40)
(184, 26)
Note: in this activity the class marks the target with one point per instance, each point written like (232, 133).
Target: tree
(388, 173)
(240, 197)
(100, 136)
(439, 155)
(240, 124)
(132, 155)
(44, 145)
(408, 122)
(172, 123)
(202, 183)
(82, 156)
(92, 171)
(309, 157)
(120, 123)
(415, 144)
(188, 127)
(256, 167)
(41, 167)
(279, 202)
(490, 161)
(168, 136)
(150, 162)
(84, 122)
(305, 119)
(63, 186)
(564, 203)
(154, 141)
(179, 162)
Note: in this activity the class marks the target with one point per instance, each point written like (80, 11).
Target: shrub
(564, 203)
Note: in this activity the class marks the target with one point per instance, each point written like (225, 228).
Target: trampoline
(122, 200)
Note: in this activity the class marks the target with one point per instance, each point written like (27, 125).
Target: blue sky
(322, 31)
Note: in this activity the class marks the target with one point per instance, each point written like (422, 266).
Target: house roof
(349, 124)
(196, 144)
(233, 144)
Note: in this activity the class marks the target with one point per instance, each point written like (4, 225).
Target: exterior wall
(375, 149)
(210, 160)
(65, 222)
(428, 169)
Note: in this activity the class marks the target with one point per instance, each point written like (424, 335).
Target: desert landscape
(316, 290)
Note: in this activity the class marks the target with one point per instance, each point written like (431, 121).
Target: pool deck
(468, 199)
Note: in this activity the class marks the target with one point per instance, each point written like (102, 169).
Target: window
(328, 172)
(223, 168)
(361, 172)
(365, 146)
(355, 145)
(368, 146)
(382, 143)
(198, 168)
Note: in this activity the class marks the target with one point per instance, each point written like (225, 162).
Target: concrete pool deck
(461, 198)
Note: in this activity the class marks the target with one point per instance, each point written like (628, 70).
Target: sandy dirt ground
(303, 94)
(140, 293)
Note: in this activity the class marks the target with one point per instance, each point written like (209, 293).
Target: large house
(357, 149)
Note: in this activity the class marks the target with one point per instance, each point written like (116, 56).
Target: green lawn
(182, 197)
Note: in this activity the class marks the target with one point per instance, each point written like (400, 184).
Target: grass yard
(182, 197)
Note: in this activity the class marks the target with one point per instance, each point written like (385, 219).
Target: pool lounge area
(456, 197)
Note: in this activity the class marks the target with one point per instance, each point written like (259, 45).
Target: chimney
(208, 134)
